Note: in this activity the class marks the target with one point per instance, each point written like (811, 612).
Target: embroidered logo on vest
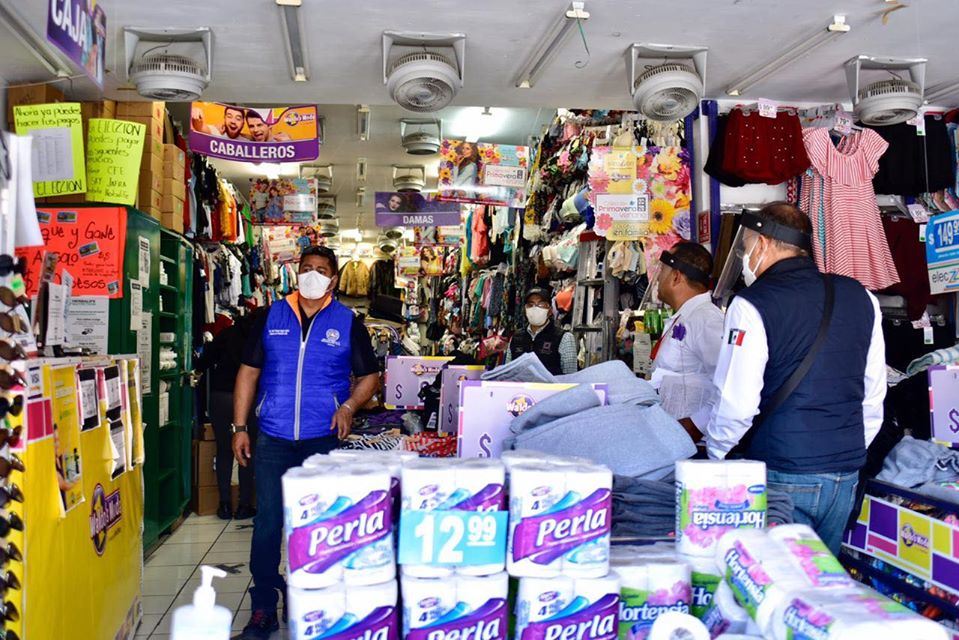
(332, 338)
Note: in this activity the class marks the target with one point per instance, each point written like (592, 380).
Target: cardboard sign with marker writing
(57, 148)
(114, 149)
(90, 243)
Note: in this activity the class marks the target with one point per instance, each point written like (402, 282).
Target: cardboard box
(173, 188)
(174, 155)
(153, 163)
(151, 180)
(205, 500)
(172, 221)
(125, 110)
(203, 463)
(154, 131)
(171, 203)
(102, 109)
(150, 202)
(31, 94)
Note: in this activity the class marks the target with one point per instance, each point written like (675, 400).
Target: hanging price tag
(919, 213)
(843, 123)
(767, 108)
(919, 122)
(453, 537)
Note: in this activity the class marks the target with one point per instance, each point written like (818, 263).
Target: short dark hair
(250, 113)
(322, 252)
(788, 215)
(230, 107)
(695, 255)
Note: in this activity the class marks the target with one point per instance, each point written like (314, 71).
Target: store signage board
(414, 210)
(942, 252)
(450, 380)
(283, 201)
(114, 150)
(244, 134)
(444, 538)
(944, 403)
(624, 216)
(487, 408)
(57, 150)
(406, 375)
(483, 173)
(79, 29)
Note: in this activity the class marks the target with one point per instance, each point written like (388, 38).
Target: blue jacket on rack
(304, 381)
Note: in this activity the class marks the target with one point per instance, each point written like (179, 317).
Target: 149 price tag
(453, 537)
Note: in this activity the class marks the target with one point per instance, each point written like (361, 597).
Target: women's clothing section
(914, 163)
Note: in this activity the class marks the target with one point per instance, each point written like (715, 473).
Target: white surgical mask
(750, 276)
(537, 316)
(313, 285)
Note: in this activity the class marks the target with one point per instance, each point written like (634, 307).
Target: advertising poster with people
(66, 435)
(79, 29)
(284, 201)
(247, 134)
(414, 210)
(483, 173)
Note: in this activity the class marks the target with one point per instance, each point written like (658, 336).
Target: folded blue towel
(622, 384)
(526, 368)
(563, 404)
(913, 462)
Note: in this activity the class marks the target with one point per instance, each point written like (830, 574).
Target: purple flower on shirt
(679, 331)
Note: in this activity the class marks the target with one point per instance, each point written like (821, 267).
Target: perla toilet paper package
(714, 496)
(564, 608)
(650, 587)
(455, 607)
(392, 460)
(560, 520)
(344, 612)
(452, 484)
(849, 614)
(338, 525)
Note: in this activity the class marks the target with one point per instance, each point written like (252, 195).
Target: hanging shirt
(686, 360)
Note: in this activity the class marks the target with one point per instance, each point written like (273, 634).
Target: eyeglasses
(539, 305)
(10, 350)
(10, 523)
(9, 298)
(12, 323)
(12, 404)
(10, 377)
(9, 493)
(10, 463)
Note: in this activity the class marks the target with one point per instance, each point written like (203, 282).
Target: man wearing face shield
(302, 355)
(556, 349)
(801, 373)
(684, 359)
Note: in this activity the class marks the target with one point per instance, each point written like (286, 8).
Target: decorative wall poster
(79, 29)
(661, 175)
(415, 210)
(278, 134)
(281, 242)
(66, 435)
(114, 150)
(483, 173)
(57, 158)
(90, 243)
(284, 201)
(408, 262)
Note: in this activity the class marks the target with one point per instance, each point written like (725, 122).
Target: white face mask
(313, 285)
(537, 316)
(750, 276)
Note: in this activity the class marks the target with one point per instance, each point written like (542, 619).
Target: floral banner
(641, 192)
(483, 173)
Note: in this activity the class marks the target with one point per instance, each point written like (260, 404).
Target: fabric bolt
(949, 355)
(913, 462)
(821, 500)
(909, 254)
(915, 164)
(714, 163)
(760, 149)
(945, 490)
(838, 196)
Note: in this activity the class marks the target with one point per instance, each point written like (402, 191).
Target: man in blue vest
(801, 373)
(302, 355)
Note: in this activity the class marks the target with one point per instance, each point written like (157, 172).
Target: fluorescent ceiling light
(941, 91)
(363, 122)
(547, 49)
(801, 48)
(273, 170)
(476, 123)
(37, 46)
(294, 37)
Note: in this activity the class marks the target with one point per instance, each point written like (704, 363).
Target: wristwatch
(237, 428)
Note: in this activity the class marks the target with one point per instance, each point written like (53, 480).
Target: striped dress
(837, 194)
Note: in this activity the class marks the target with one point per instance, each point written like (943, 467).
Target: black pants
(221, 414)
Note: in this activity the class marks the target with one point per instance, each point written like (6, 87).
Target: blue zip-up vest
(819, 428)
(303, 382)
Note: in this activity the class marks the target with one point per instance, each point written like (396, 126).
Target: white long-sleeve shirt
(686, 361)
(742, 362)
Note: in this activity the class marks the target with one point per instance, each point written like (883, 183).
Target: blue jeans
(821, 500)
(273, 457)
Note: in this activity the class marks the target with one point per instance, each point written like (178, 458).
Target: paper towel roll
(514, 457)
(461, 605)
(808, 553)
(476, 591)
(336, 610)
(312, 612)
(427, 483)
(674, 625)
(338, 525)
(725, 616)
(590, 559)
(539, 599)
(713, 497)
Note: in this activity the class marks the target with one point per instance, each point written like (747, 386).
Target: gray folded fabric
(913, 463)
(623, 387)
(946, 491)
(563, 404)
(526, 368)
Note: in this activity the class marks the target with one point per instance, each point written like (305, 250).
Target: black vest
(545, 345)
(819, 428)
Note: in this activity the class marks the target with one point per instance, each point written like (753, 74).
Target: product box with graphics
(451, 377)
(487, 408)
(406, 375)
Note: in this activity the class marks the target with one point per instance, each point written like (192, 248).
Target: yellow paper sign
(57, 132)
(66, 435)
(114, 148)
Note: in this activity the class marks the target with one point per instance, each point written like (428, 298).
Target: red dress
(759, 149)
(838, 196)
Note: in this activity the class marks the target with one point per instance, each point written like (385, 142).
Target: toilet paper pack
(714, 496)
(455, 607)
(344, 612)
(338, 525)
(650, 587)
(704, 579)
(560, 520)
(806, 550)
(566, 607)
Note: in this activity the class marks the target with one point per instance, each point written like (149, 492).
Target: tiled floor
(172, 573)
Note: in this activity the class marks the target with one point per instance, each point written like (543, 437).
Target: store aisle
(171, 573)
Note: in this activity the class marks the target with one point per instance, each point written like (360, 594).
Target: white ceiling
(344, 41)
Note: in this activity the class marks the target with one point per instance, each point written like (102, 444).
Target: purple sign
(598, 621)
(944, 403)
(488, 622)
(451, 378)
(79, 29)
(379, 625)
(415, 210)
(248, 134)
(406, 375)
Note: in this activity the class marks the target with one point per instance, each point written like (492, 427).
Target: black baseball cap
(542, 292)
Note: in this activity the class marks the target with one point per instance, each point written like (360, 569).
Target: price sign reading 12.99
(453, 537)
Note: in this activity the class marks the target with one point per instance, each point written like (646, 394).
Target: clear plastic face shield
(746, 241)
(662, 269)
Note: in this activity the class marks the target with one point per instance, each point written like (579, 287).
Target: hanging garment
(717, 152)
(909, 253)
(479, 252)
(355, 279)
(760, 149)
(915, 164)
(837, 195)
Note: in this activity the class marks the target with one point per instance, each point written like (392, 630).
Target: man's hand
(691, 429)
(196, 120)
(241, 447)
(342, 422)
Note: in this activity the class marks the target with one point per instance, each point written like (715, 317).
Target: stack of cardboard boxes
(174, 188)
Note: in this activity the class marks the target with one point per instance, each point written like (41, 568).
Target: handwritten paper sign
(114, 148)
(90, 244)
(57, 132)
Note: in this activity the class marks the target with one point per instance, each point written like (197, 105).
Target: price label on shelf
(453, 537)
